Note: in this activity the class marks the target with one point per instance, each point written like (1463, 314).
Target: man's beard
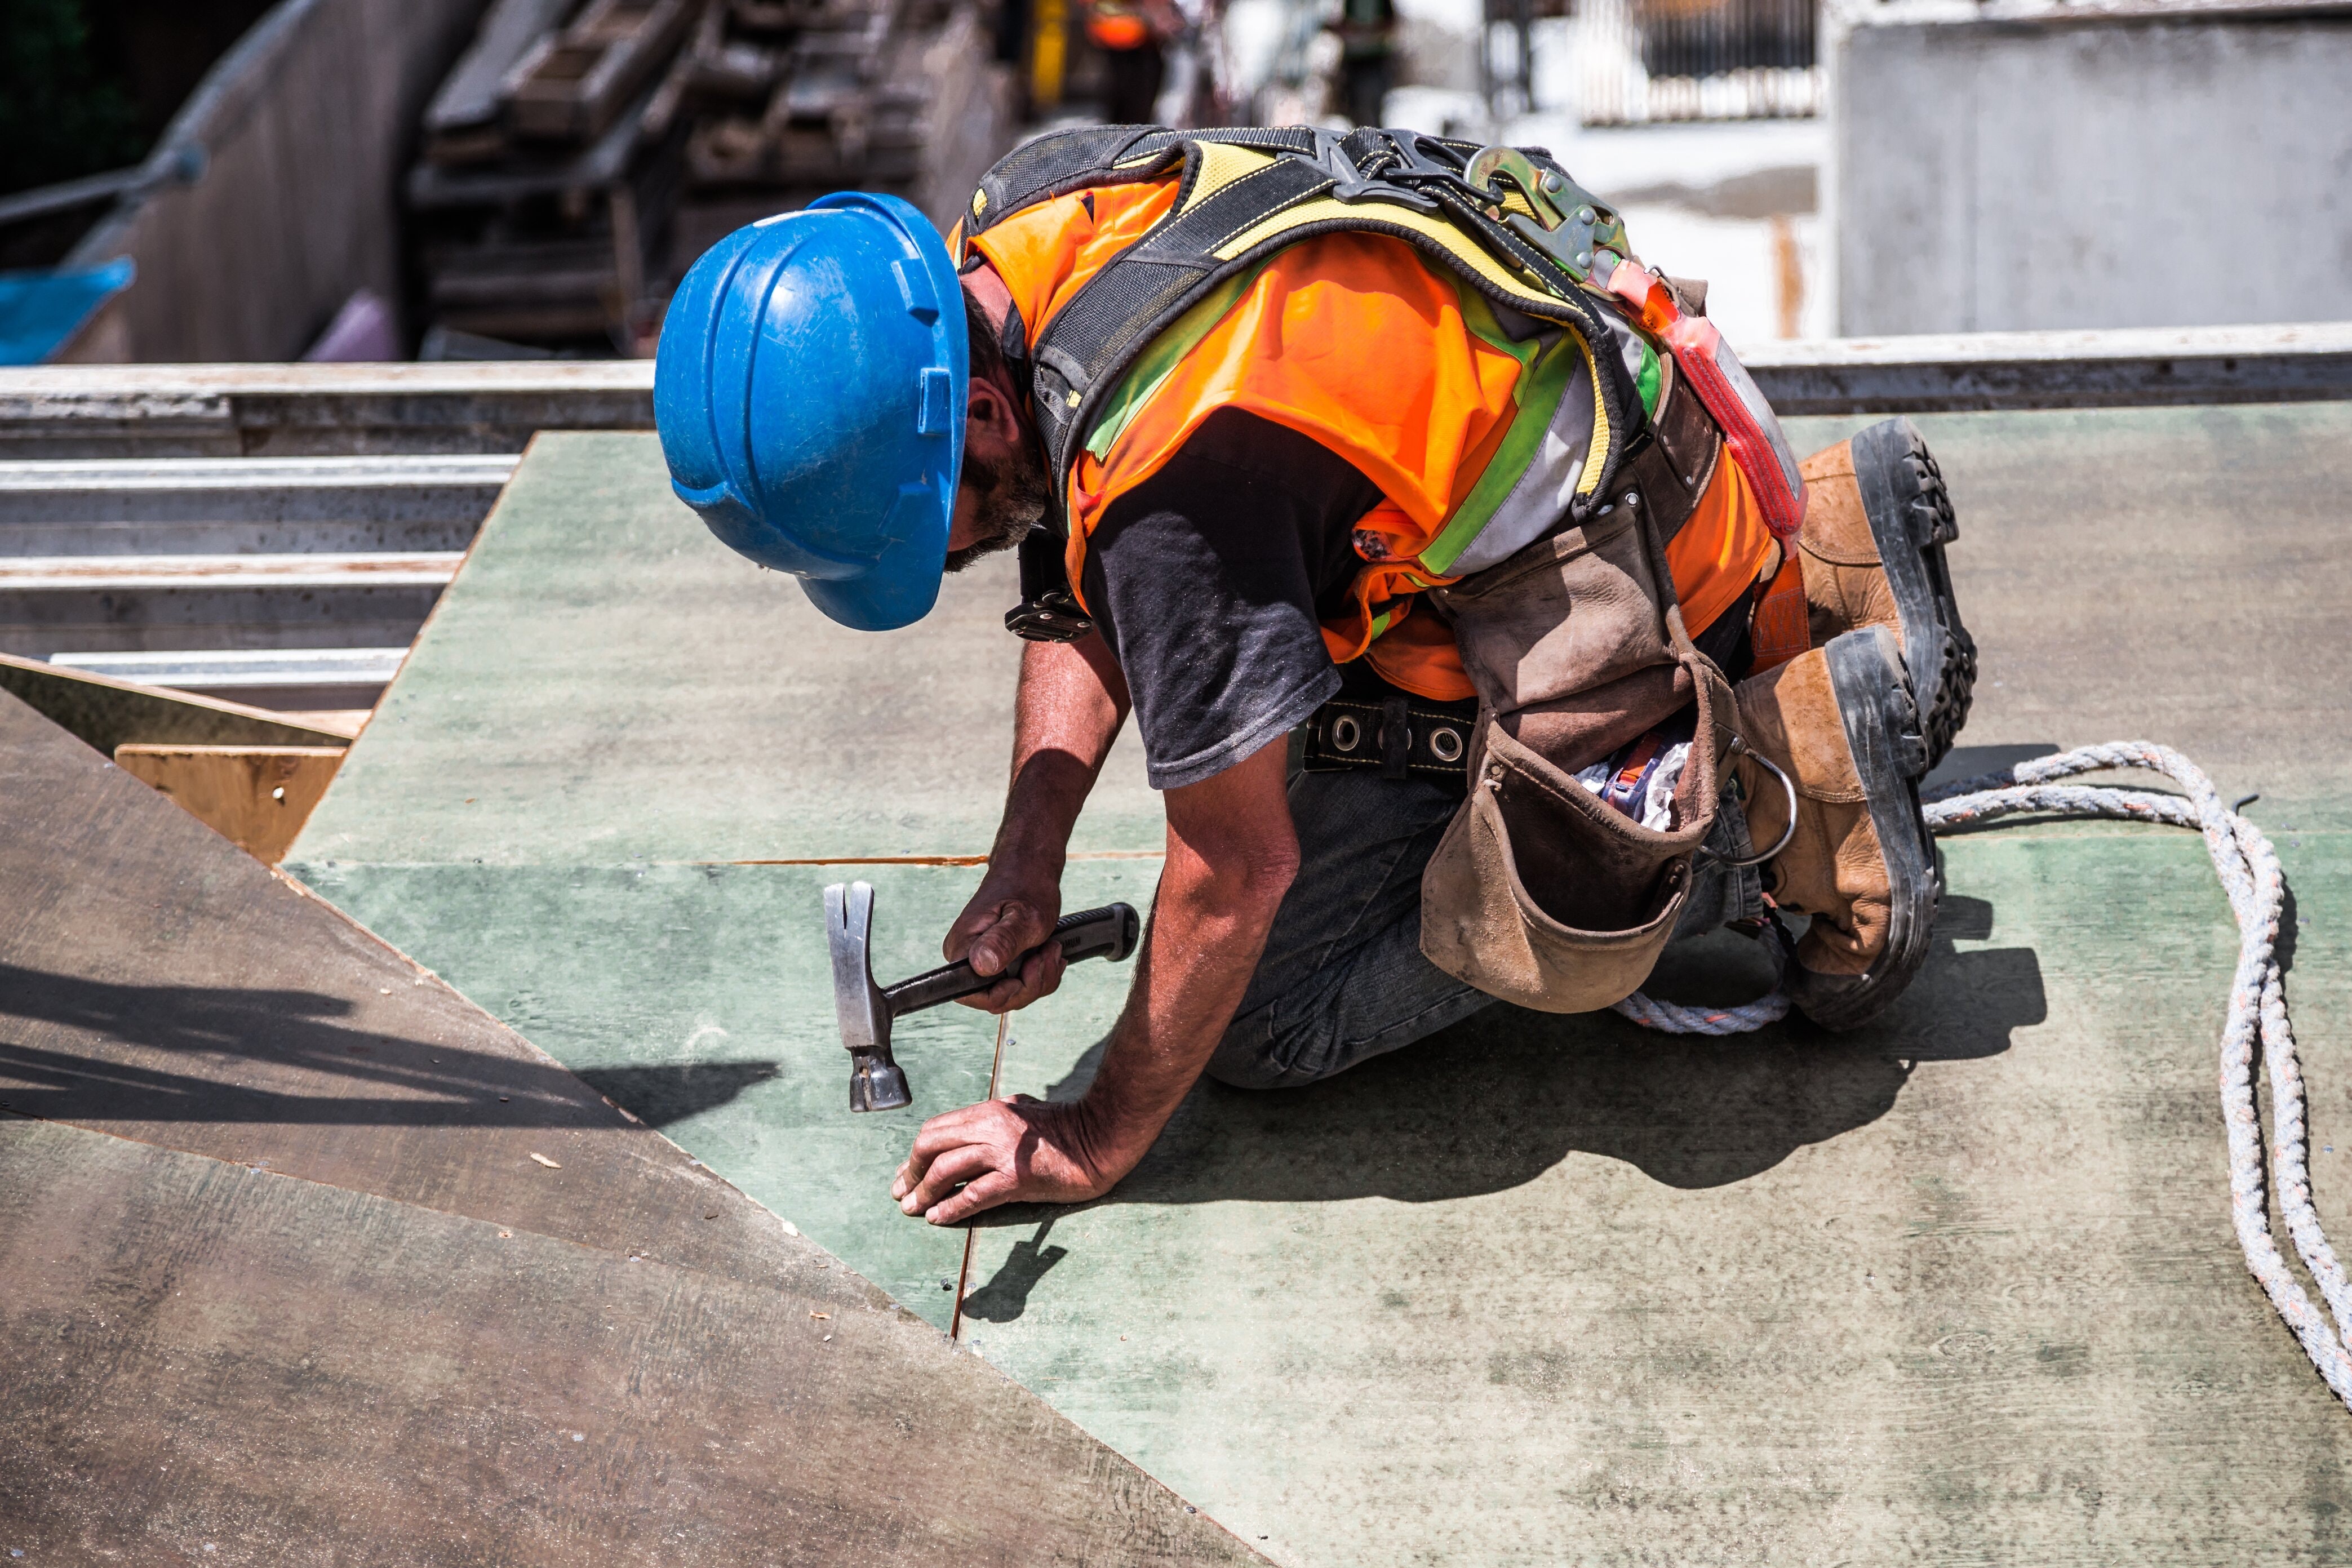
(1012, 494)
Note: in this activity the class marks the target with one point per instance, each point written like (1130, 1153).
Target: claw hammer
(866, 1009)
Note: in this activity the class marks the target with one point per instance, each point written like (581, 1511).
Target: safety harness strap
(1276, 188)
(1674, 462)
(1403, 736)
(1095, 155)
(1048, 167)
(1122, 308)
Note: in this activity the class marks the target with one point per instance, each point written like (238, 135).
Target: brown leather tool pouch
(1539, 894)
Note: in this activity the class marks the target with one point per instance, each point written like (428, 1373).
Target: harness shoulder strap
(1053, 165)
(1089, 156)
(1246, 193)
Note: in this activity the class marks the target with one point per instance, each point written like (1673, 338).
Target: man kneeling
(1359, 472)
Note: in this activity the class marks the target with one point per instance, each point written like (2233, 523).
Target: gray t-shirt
(1210, 581)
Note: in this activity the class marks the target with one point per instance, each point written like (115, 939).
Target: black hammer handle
(1105, 933)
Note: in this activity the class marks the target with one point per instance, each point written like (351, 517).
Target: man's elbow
(1251, 878)
(1230, 837)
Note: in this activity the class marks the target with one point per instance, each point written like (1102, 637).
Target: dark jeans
(1342, 979)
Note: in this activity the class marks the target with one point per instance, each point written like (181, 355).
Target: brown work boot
(1840, 721)
(1878, 518)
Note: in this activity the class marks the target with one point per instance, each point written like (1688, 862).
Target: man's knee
(1322, 1036)
(1254, 1055)
(1278, 1047)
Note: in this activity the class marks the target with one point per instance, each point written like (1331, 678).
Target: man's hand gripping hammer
(876, 1083)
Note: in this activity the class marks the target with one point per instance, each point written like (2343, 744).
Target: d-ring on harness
(1740, 747)
(2249, 869)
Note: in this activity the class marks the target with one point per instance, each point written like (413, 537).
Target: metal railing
(1644, 60)
(95, 413)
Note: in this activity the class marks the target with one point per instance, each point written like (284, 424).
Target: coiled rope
(2250, 873)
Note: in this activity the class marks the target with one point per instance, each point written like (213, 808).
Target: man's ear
(987, 410)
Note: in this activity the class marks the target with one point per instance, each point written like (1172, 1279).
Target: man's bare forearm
(1231, 854)
(1231, 857)
(1071, 704)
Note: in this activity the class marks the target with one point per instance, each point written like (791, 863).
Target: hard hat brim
(900, 587)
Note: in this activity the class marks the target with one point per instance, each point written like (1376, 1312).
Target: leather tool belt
(1673, 462)
(1402, 739)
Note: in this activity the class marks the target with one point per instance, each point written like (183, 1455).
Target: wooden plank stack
(572, 85)
(579, 157)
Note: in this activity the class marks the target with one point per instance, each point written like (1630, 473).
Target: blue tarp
(40, 310)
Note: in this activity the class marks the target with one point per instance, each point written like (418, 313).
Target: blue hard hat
(810, 393)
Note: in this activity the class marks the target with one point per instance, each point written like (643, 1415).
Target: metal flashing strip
(2127, 368)
(125, 573)
(220, 668)
(178, 475)
(99, 411)
(2010, 13)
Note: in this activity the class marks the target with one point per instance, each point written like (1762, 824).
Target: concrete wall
(306, 127)
(2125, 170)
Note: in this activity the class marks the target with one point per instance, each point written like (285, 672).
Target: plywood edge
(105, 712)
(175, 748)
(257, 797)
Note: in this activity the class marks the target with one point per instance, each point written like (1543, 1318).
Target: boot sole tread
(1911, 519)
(1884, 731)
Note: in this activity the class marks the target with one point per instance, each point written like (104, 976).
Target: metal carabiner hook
(1537, 187)
(1738, 745)
(1570, 226)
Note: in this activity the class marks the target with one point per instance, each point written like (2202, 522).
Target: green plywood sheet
(1961, 1289)
(604, 681)
(701, 998)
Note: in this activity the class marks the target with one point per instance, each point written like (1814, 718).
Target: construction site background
(420, 1112)
(396, 179)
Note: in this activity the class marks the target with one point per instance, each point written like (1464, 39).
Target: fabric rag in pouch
(1638, 782)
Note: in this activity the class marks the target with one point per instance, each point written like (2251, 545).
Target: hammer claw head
(856, 1000)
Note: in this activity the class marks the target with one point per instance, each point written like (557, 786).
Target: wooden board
(257, 797)
(105, 712)
(384, 1359)
(468, 101)
(159, 985)
(203, 1363)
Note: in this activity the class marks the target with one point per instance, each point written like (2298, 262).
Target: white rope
(2250, 873)
(1668, 1018)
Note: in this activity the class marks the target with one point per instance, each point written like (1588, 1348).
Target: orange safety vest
(1353, 340)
